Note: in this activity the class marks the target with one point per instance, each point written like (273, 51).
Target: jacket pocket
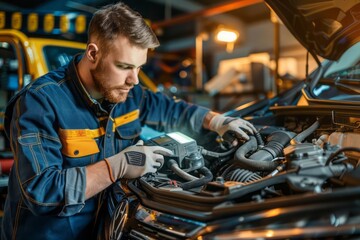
(129, 130)
(127, 134)
(78, 143)
(128, 125)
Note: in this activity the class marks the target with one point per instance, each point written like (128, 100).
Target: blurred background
(255, 56)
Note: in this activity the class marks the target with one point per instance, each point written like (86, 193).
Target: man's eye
(124, 67)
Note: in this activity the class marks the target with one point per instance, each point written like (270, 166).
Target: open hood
(326, 27)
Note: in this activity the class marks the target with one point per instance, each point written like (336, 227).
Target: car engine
(309, 157)
(301, 172)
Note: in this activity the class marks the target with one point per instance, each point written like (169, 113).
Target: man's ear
(92, 52)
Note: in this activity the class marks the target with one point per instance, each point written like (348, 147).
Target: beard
(102, 84)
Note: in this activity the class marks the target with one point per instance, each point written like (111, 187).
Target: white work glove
(137, 160)
(240, 127)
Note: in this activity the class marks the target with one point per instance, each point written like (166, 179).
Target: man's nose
(133, 77)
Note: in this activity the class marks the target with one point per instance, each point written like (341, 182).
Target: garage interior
(283, 161)
(190, 63)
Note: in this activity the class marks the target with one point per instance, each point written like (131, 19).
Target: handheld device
(185, 149)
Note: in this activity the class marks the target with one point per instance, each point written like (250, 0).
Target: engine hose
(304, 134)
(229, 152)
(207, 177)
(259, 139)
(274, 146)
(261, 160)
(242, 175)
(244, 162)
(173, 165)
(216, 154)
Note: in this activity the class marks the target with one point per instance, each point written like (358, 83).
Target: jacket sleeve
(46, 188)
(167, 114)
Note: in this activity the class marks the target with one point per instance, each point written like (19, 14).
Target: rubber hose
(259, 139)
(262, 159)
(207, 177)
(241, 160)
(304, 134)
(274, 147)
(178, 171)
(216, 154)
(242, 175)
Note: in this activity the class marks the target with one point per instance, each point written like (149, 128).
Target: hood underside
(325, 27)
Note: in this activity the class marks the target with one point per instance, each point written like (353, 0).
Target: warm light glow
(228, 36)
(183, 74)
(269, 233)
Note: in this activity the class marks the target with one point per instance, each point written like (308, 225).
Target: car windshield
(56, 56)
(341, 80)
(351, 73)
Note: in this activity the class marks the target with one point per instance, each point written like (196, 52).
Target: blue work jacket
(56, 129)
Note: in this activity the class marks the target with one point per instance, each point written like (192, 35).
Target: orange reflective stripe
(81, 133)
(94, 133)
(126, 118)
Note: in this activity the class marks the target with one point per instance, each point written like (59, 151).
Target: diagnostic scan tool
(185, 149)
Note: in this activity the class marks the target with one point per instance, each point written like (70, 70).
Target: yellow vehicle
(26, 55)
(23, 59)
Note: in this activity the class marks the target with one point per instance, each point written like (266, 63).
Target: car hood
(325, 28)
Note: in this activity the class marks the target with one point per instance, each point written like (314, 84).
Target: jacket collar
(93, 103)
(74, 77)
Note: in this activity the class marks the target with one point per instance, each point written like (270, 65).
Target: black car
(298, 178)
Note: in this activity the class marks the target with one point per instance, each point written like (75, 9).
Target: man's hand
(136, 161)
(237, 126)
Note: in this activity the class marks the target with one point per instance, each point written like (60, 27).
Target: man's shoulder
(54, 77)
(49, 80)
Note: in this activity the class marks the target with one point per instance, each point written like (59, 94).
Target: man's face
(116, 72)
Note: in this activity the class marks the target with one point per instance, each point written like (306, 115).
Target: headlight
(168, 224)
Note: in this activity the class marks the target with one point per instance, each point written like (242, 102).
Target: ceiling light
(228, 36)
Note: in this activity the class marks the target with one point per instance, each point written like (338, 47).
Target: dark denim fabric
(46, 198)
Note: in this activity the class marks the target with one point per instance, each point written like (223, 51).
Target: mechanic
(74, 132)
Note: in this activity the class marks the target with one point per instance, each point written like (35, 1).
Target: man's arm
(207, 119)
(97, 178)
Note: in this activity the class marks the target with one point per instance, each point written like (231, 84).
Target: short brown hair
(117, 19)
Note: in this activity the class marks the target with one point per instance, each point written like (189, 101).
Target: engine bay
(295, 156)
(299, 175)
